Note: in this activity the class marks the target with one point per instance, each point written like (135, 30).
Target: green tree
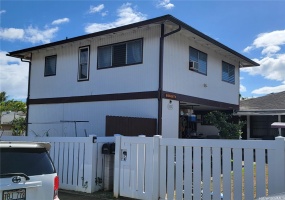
(224, 123)
(3, 96)
(19, 126)
(11, 105)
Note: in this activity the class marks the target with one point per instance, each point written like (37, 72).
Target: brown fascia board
(161, 19)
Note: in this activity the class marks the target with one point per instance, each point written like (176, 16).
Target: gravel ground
(102, 195)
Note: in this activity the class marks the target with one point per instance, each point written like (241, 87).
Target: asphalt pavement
(102, 195)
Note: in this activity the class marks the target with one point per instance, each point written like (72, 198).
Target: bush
(19, 126)
(222, 121)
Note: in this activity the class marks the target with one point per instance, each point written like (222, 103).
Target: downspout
(28, 96)
(160, 86)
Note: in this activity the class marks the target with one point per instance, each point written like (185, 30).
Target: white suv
(27, 172)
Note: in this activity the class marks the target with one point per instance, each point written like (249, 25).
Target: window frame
(126, 53)
(45, 71)
(197, 71)
(228, 65)
(79, 63)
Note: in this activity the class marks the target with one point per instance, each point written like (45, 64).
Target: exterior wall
(133, 78)
(50, 118)
(259, 126)
(179, 79)
(170, 118)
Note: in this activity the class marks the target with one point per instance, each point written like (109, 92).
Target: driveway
(102, 195)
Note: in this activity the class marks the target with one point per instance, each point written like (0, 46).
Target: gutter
(28, 96)
(160, 86)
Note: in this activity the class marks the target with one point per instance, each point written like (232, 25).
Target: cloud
(271, 68)
(13, 76)
(104, 13)
(30, 34)
(60, 21)
(268, 90)
(2, 11)
(96, 9)
(126, 15)
(272, 64)
(34, 35)
(11, 33)
(269, 42)
(242, 88)
(165, 4)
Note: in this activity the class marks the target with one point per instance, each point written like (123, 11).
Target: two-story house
(159, 70)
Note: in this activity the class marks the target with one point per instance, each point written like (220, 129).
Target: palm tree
(3, 96)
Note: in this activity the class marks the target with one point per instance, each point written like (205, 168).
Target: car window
(24, 160)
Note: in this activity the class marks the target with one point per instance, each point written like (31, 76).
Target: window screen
(50, 65)
(121, 54)
(83, 68)
(228, 73)
(200, 58)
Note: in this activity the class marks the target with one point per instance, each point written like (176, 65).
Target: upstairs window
(198, 61)
(228, 72)
(121, 54)
(83, 68)
(50, 65)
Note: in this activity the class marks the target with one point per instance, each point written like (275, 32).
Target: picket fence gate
(168, 168)
(78, 160)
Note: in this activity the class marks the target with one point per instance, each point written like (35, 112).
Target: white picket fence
(78, 160)
(167, 168)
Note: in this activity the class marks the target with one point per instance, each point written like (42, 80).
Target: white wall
(179, 79)
(170, 118)
(47, 117)
(207, 129)
(133, 78)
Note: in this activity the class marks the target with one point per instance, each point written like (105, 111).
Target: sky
(254, 28)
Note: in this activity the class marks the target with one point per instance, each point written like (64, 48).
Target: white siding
(43, 118)
(133, 78)
(170, 118)
(179, 79)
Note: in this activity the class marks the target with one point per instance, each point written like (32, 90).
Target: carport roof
(169, 19)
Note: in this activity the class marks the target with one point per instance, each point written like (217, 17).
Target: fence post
(280, 164)
(156, 167)
(116, 188)
(90, 164)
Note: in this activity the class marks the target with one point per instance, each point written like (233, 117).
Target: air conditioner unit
(193, 65)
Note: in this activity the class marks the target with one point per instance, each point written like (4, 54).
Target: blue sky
(255, 29)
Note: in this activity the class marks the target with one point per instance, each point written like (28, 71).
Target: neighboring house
(260, 113)
(159, 69)
(6, 120)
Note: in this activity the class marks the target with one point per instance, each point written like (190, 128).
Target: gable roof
(169, 19)
(270, 104)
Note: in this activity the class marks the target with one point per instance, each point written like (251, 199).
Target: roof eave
(86, 36)
(249, 62)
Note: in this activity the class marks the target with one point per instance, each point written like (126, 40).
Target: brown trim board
(92, 98)
(133, 96)
(196, 100)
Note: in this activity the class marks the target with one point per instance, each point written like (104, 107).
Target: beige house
(6, 119)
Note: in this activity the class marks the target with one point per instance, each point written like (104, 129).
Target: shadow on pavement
(102, 195)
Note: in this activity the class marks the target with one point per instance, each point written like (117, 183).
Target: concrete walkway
(102, 195)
